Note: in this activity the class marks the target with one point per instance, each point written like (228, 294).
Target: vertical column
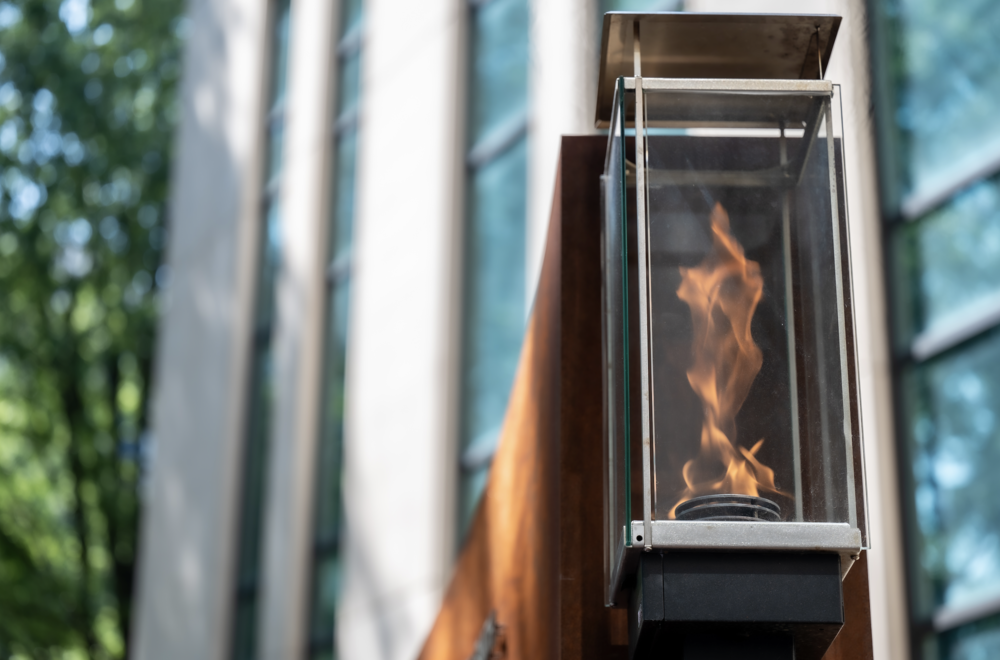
(297, 342)
(399, 456)
(188, 533)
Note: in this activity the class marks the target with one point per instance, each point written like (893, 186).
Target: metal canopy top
(688, 45)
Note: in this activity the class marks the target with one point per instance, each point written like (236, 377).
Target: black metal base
(735, 606)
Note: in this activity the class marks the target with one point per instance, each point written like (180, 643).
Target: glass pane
(245, 635)
(640, 5)
(499, 65)
(952, 258)
(326, 588)
(978, 641)
(344, 169)
(282, 28)
(952, 406)
(616, 347)
(349, 83)
(275, 147)
(351, 17)
(494, 295)
(948, 88)
(254, 469)
(330, 445)
(746, 315)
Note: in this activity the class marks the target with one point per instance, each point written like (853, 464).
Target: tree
(87, 110)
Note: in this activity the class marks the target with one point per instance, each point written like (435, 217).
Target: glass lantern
(731, 399)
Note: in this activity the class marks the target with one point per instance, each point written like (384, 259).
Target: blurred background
(265, 267)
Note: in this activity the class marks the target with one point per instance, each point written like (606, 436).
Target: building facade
(360, 201)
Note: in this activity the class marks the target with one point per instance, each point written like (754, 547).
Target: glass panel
(342, 231)
(282, 26)
(746, 316)
(351, 17)
(948, 88)
(952, 410)
(616, 347)
(952, 257)
(330, 447)
(640, 5)
(494, 296)
(275, 147)
(254, 462)
(499, 65)
(269, 264)
(978, 641)
(245, 638)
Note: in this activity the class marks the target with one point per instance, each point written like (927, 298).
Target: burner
(729, 507)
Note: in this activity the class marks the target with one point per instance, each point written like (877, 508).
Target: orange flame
(722, 292)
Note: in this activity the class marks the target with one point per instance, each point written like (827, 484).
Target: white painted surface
(849, 66)
(565, 44)
(400, 467)
(298, 339)
(185, 571)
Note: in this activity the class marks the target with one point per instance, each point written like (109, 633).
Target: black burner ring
(728, 507)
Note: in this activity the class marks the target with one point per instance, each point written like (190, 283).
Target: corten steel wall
(534, 554)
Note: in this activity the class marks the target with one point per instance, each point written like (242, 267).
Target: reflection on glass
(245, 623)
(494, 303)
(349, 84)
(977, 641)
(269, 265)
(499, 64)
(351, 14)
(948, 87)
(615, 331)
(953, 257)
(955, 451)
(494, 284)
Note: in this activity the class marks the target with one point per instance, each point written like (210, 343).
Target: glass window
(955, 447)
(640, 5)
(944, 155)
(953, 257)
(499, 83)
(948, 88)
(494, 296)
(326, 558)
(494, 308)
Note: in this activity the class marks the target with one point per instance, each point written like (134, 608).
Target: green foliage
(87, 109)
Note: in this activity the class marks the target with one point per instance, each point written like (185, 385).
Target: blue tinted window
(499, 65)
(952, 257)
(259, 403)
(325, 569)
(955, 449)
(494, 296)
(948, 88)
(941, 141)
